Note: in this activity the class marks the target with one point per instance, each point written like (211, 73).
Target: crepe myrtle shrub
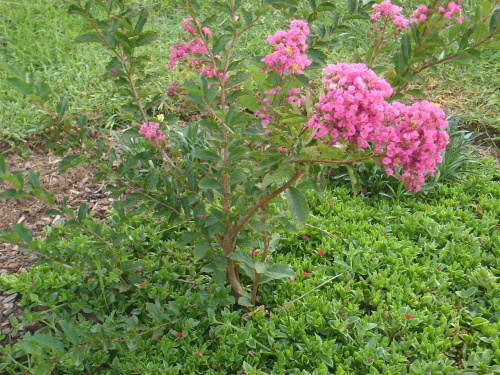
(230, 191)
(266, 130)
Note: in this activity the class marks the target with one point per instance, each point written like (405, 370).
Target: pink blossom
(288, 54)
(206, 31)
(151, 130)
(420, 14)
(410, 138)
(387, 9)
(460, 19)
(186, 26)
(172, 88)
(399, 21)
(452, 8)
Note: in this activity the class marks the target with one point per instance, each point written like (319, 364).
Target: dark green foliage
(417, 291)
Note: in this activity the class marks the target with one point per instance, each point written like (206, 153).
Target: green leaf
(220, 43)
(33, 179)
(415, 33)
(89, 38)
(210, 183)
(22, 231)
(206, 155)
(20, 85)
(146, 38)
(244, 301)
(280, 271)
(47, 341)
(406, 47)
(260, 267)
(42, 90)
(143, 17)
(3, 167)
(61, 107)
(249, 102)
(70, 332)
(82, 211)
(399, 65)
(353, 4)
(200, 249)
(317, 56)
(280, 173)
(186, 238)
(298, 204)
(10, 193)
(152, 179)
(242, 257)
(220, 262)
(53, 212)
(68, 162)
(495, 20)
(9, 69)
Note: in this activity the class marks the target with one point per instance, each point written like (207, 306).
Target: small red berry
(330, 203)
(331, 174)
(343, 302)
(85, 276)
(320, 252)
(200, 352)
(256, 252)
(305, 238)
(439, 269)
(142, 284)
(159, 337)
(179, 334)
(306, 273)
(32, 282)
(408, 317)
(79, 297)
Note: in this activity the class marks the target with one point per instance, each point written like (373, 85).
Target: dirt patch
(75, 186)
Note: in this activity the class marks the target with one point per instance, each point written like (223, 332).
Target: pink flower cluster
(172, 89)
(452, 8)
(386, 9)
(264, 116)
(288, 55)
(151, 130)
(415, 141)
(187, 26)
(295, 98)
(410, 138)
(419, 14)
(353, 107)
(192, 47)
(185, 50)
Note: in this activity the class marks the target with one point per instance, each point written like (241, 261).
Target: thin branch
(243, 219)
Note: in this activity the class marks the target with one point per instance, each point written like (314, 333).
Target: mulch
(75, 186)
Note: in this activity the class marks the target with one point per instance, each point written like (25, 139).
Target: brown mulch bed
(75, 185)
